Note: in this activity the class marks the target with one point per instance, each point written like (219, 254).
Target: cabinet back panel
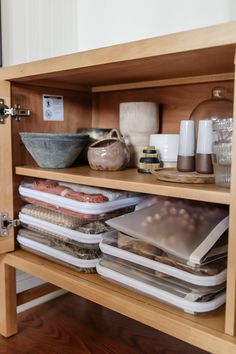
(77, 114)
(176, 103)
(83, 109)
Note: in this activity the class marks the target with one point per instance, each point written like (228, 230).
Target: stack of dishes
(174, 251)
(65, 222)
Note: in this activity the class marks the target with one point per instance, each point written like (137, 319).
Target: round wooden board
(172, 175)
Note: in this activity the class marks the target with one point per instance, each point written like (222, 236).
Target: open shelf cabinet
(178, 71)
(205, 331)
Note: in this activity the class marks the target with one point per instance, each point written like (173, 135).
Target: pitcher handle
(115, 133)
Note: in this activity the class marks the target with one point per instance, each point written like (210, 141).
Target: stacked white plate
(157, 253)
(69, 230)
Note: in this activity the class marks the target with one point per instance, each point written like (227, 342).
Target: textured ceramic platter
(172, 175)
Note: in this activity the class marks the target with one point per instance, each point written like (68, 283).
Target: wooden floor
(72, 325)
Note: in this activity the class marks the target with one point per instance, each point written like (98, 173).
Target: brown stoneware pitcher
(110, 153)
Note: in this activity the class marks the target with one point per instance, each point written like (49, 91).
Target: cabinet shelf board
(205, 331)
(130, 180)
(192, 53)
(164, 83)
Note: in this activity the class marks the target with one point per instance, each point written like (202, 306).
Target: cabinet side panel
(230, 319)
(6, 179)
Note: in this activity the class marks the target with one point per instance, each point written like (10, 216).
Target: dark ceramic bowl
(94, 133)
(54, 150)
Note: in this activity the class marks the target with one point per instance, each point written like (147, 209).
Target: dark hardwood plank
(73, 325)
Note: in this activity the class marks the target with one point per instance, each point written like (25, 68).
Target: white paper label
(53, 108)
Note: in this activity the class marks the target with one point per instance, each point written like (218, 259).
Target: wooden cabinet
(178, 71)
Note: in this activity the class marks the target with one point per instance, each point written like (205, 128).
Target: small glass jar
(222, 150)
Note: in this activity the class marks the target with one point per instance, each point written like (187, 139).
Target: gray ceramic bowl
(58, 150)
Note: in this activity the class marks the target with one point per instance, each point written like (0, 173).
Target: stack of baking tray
(174, 251)
(66, 222)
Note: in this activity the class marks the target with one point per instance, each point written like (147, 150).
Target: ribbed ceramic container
(138, 120)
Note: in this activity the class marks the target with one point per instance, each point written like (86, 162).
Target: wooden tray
(172, 175)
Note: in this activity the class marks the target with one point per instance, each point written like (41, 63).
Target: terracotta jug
(110, 153)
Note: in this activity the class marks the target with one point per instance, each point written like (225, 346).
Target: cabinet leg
(8, 313)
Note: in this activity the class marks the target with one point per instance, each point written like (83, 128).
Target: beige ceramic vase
(110, 153)
(138, 120)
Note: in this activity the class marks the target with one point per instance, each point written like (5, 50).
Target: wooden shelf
(165, 82)
(206, 51)
(205, 331)
(130, 180)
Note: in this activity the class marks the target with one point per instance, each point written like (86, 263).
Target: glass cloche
(217, 107)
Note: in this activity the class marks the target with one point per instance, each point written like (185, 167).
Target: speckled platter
(172, 175)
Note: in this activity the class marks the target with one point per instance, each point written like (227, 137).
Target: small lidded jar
(149, 161)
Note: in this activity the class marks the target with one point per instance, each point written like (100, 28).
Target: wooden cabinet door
(6, 169)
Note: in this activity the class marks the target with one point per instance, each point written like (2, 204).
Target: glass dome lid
(216, 107)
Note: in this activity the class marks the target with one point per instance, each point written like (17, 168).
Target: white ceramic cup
(205, 137)
(167, 145)
(186, 138)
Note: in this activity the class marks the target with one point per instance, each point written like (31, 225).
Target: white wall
(36, 29)
(26, 281)
(107, 22)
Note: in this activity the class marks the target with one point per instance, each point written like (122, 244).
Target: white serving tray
(60, 230)
(159, 294)
(62, 256)
(210, 280)
(85, 208)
